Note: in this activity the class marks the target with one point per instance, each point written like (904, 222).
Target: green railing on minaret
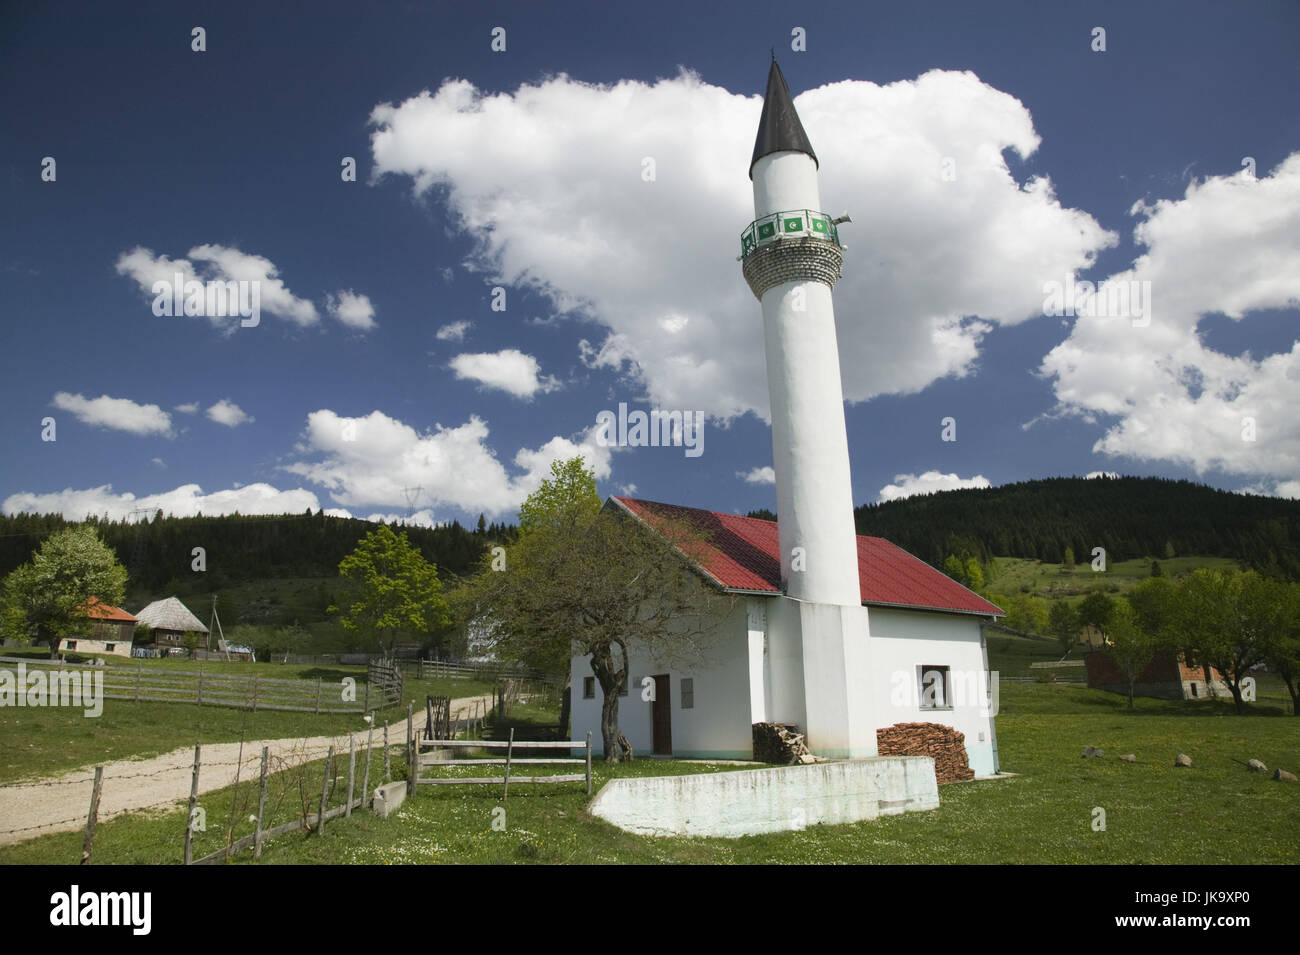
(795, 224)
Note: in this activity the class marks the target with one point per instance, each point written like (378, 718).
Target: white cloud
(352, 309)
(228, 413)
(1288, 489)
(184, 501)
(191, 407)
(1229, 246)
(764, 475)
(907, 485)
(454, 332)
(367, 462)
(1100, 474)
(120, 414)
(447, 275)
(159, 462)
(223, 264)
(508, 370)
(547, 181)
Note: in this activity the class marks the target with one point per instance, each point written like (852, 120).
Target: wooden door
(661, 721)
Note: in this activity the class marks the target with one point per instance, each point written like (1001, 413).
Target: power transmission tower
(412, 495)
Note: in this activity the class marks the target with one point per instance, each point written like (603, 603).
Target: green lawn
(36, 742)
(1020, 575)
(1214, 812)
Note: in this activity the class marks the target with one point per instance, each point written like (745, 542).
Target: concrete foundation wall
(748, 802)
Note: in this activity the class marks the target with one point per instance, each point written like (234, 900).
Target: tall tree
(47, 597)
(1229, 620)
(398, 589)
(1131, 647)
(1063, 624)
(585, 581)
(1283, 651)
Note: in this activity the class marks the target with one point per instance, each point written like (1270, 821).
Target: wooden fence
(142, 683)
(418, 761)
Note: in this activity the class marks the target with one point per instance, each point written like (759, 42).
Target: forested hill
(1129, 516)
(242, 548)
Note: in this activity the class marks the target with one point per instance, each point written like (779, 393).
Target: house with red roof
(924, 637)
(104, 629)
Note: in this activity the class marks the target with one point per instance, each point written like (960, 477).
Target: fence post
(388, 770)
(365, 782)
(352, 770)
(324, 791)
(510, 745)
(189, 816)
(411, 752)
(588, 762)
(256, 680)
(365, 707)
(317, 694)
(139, 672)
(261, 805)
(200, 687)
(88, 843)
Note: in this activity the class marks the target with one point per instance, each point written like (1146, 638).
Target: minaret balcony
(796, 224)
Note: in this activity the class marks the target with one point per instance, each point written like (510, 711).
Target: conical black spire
(779, 129)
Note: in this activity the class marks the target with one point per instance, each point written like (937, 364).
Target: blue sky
(984, 151)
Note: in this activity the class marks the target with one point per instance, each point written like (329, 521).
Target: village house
(105, 629)
(168, 621)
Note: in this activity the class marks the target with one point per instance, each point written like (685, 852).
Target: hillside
(1130, 517)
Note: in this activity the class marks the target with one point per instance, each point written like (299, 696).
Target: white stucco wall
(902, 642)
(716, 727)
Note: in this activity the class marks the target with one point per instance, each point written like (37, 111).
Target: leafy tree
(1156, 571)
(46, 598)
(1131, 647)
(1067, 562)
(585, 581)
(1283, 653)
(190, 640)
(954, 568)
(1095, 610)
(1063, 624)
(974, 575)
(398, 590)
(1153, 600)
(1230, 620)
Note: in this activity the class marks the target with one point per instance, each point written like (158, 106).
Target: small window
(108, 648)
(934, 688)
(72, 644)
(588, 687)
(1193, 691)
(688, 692)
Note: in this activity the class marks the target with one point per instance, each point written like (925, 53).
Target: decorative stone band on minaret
(793, 260)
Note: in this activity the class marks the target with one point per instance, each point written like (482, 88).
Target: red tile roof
(743, 553)
(98, 610)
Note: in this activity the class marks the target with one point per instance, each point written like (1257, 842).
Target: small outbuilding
(168, 621)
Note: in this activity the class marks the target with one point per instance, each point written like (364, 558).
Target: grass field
(1018, 575)
(1214, 812)
(38, 742)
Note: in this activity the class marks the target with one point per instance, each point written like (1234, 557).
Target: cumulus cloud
(119, 414)
(907, 485)
(1288, 489)
(764, 475)
(1230, 247)
(190, 407)
(508, 370)
(185, 501)
(352, 309)
(453, 332)
(547, 181)
(367, 462)
(1100, 474)
(228, 413)
(219, 263)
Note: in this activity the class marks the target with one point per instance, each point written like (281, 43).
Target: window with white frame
(935, 687)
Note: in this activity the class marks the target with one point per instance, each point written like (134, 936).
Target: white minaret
(792, 259)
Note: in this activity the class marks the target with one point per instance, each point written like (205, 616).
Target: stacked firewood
(780, 745)
(943, 743)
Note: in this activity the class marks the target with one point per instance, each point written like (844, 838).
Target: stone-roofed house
(168, 621)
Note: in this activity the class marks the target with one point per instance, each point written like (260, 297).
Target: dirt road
(61, 803)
